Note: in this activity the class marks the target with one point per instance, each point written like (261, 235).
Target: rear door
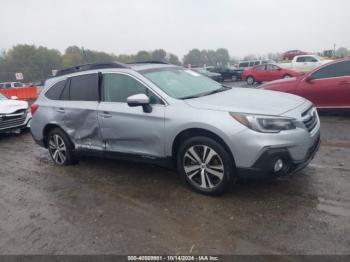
(126, 129)
(77, 111)
(329, 86)
(259, 73)
(272, 73)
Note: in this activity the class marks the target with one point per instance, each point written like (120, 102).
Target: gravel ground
(115, 207)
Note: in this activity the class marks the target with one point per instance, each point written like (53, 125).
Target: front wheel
(287, 76)
(250, 80)
(206, 166)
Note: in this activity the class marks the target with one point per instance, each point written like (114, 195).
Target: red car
(327, 86)
(267, 72)
(289, 55)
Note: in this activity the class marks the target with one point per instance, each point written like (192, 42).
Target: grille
(310, 119)
(13, 120)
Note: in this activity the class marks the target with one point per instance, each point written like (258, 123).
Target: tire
(60, 148)
(250, 80)
(201, 175)
(286, 76)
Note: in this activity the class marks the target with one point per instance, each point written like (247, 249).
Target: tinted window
(245, 64)
(334, 70)
(260, 68)
(84, 88)
(17, 85)
(257, 63)
(118, 87)
(8, 85)
(271, 67)
(301, 59)
(1, 85)
(310, 59)
(55, 91)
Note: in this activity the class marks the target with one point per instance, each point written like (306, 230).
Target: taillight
(33, 108)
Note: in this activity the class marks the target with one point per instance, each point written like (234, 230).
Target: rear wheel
(205, 165)
(250, 80)
(60, 148)
(287, 76)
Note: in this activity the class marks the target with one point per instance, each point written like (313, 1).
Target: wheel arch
(192, 132)
(47, 129)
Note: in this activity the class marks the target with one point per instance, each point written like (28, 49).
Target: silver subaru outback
(172, 116)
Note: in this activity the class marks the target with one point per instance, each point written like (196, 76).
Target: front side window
(118, 87)
(334, 70)
(181, 83)
(84, 88)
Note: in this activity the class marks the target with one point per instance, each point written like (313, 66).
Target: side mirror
(14, 98)
(308, 79)
(140, 100)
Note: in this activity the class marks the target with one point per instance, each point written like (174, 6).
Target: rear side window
(260, 68)
(54, 93)
(84, 88)
(335, 70)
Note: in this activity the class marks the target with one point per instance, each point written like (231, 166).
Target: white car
(305, 63)
(14, 114)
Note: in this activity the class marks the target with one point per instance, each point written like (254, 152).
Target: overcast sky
(126, 26)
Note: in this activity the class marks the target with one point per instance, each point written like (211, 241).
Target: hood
(244, 100)
(10, 106)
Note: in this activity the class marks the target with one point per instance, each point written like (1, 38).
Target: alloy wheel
(203, 166)
(57, 149)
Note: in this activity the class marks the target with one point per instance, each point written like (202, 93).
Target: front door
(126, 129)
(329, 86)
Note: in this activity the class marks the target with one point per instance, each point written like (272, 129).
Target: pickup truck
(304, 63)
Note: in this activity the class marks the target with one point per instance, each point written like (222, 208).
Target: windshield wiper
(223, 88)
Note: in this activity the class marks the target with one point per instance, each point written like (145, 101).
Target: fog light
(278, 165)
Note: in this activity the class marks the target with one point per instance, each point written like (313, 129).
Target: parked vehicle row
(228, 73)
(327, 87)
(173, 116)
(11, 85)
(215, 76)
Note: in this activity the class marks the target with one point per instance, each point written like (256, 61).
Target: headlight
(265, 124)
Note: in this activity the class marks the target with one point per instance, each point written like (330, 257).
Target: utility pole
(334, 52)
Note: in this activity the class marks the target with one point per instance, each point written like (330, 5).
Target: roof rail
(151, 62)
(85, 67)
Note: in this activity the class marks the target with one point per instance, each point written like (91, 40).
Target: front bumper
(265, 163)
(13, 126)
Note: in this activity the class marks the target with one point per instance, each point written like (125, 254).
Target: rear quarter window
(55, 91)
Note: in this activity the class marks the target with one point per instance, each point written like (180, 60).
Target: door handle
(60, 110)
(105, 114)
(344, 83)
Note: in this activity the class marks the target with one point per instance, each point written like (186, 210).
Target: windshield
(2, 97)
(181, 83)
